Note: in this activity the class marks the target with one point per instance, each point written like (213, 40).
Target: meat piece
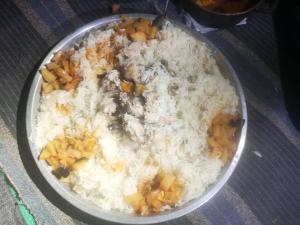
(136, 107)
(132, 73)
(111, 81)
(134, 127)
(108, 105)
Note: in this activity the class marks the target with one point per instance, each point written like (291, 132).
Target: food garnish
(137, 29)
(65, 154)
(165, 189)
(222, 135)
(60, 73)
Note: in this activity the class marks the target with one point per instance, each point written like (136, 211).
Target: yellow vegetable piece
(66, 65)
(167, 181)
(44, 154)
(138, 36)
(63, 75)
(47, 88)
(57, 57)
(119, 166)
(55, 84)
(126, 87)
(139, 89)
(152, 32)
(136, 200)
(52, 66)
(47, 75)
(79, 164)
(74, 153)
(69, 153)
(90, 144)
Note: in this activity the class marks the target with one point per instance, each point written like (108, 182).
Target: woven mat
(264, 188)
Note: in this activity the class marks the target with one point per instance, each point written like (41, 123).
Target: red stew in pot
(224, 6)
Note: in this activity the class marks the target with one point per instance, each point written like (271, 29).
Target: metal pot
(88, 209)
(218, 19)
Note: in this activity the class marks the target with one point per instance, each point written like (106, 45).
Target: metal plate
(114, 216)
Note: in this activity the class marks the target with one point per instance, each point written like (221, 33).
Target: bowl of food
(136, 125)
(220, 13)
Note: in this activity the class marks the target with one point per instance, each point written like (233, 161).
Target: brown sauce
(224, 6)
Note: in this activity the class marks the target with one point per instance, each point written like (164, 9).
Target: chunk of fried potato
(126, 87)
(66, 65)
(152, 31)
(136, 200)
(167, 181)
(154, 200)
(63, 74)
(47, 75)
(139, 89)
(57, 57)
(52, 66)
(55, 84)
(47, 88)
(79, 164)
(44, 154)
(52, 161)
(141, 26)
(73, 84)
(138, 36)
(126, 22)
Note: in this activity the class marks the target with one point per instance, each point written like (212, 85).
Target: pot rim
(254, 6)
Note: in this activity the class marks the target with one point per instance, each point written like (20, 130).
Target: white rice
(181, 100)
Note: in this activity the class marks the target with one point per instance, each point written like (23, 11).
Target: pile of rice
(184, 91)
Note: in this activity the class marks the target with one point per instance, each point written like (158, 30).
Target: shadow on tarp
(31, 167)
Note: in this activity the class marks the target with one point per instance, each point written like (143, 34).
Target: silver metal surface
(90, 208)
(160, 20)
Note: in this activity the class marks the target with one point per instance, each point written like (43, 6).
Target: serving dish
(218, 19)
(93, 210)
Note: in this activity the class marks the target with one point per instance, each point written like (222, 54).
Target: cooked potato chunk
(137, 29)
(44, 154)
(167, 181)
(139, 89)
(152, 32)
(79, 164)
(55, 84)
(73, 84)
(164, 189)
(69, 153)
(47, 75)
(47, 88)
(60, 73)
(63, 74)
(52, 66)
(221, 136)
(57, 57)
(66, 65)
(138, 36)
(136, 200)
(127, 87)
